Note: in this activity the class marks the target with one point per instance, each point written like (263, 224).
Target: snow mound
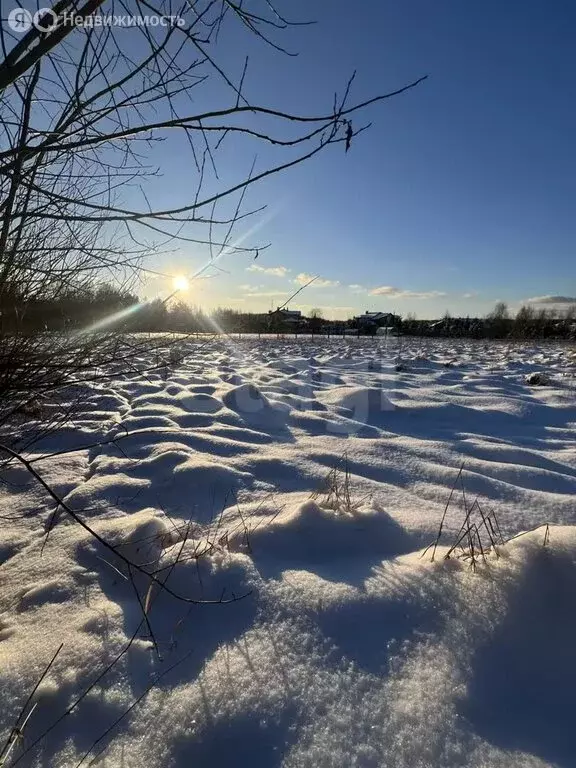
(217, 574)
(143, 539)
(232, 378)
(101, 493)
(307, 532)
(280, 365)
(365, 403)
(198, 402)
(514, 698)
(253, 405)
(246, 398)
(206, 487)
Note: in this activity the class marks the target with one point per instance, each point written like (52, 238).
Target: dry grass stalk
(16, 733)
(478, 535)
(335, 491)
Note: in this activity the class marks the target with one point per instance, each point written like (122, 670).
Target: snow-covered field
(304, 478)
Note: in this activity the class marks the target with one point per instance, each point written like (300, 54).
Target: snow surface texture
(348, 648)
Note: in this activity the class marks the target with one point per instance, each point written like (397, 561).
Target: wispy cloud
(552, 300)
(356, 288)
(279, 271)
(399, 293)
(265, 294)
(250, 287)
(320, 282)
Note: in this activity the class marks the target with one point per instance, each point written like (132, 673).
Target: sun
(180, 283)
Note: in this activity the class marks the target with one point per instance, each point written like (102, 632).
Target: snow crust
(306, 478)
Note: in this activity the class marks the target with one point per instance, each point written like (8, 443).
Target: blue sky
(462, 193)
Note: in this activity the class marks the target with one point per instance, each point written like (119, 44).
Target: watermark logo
(20, 19)
(46, 20)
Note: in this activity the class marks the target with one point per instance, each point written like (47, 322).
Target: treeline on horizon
(527, 323)
(82, 308)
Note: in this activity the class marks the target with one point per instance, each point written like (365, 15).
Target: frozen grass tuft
(335, 492)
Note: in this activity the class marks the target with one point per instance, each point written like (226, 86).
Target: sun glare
(180, 283)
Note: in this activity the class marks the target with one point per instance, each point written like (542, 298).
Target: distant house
(287, 317)
(369, 322)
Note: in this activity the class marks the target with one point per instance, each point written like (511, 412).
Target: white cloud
(275, 271)
(320, 282)
(552, 300)
(471, 295)
(399, 293)
(265, 294)
(355, 288)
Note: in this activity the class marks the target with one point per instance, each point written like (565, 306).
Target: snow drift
(312, 627)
